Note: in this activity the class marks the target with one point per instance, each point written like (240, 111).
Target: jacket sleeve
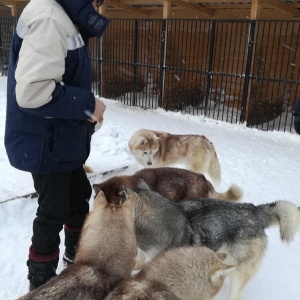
(39, 72)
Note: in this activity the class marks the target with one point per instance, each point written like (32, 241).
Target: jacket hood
(83, 14)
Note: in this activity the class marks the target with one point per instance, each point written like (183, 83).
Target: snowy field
(265, 164)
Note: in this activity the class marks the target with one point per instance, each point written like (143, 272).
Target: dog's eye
(145, 152)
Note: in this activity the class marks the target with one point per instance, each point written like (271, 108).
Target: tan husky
(162, 149)
(190, 273)
(105, 255)
(175, 184)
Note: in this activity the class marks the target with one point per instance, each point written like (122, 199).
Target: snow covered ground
(265, 164)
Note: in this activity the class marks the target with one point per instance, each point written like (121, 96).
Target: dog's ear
(143, 142)
(123, 195)
(100, 199)
(128, 191)
(141, 184)
(221, 256)
(96, 188)
(223, 271)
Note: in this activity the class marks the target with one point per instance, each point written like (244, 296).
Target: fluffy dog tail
(287, 215)
(234, 193)
(214, 169)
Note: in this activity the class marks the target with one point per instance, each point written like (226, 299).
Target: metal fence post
(248, 70)
(162, 61)
(210, 62)
(99, 65)
(135, 60)
(1, 54)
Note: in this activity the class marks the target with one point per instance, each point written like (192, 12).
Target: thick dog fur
(159, 225)
(189, 273)
(162, 149)
(237, 229)
(105, 256)
(173, 183)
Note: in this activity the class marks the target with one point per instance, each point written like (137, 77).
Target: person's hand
(98, 112)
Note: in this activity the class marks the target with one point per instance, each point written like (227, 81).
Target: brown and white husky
(105, 256)
(154, 149)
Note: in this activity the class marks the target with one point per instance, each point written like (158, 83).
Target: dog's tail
(234, 193)
(88, 169)
(287, 215)
(214, 169)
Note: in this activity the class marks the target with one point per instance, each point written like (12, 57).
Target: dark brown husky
(173, 183)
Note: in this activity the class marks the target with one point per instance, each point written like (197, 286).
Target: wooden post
(255, 9)
(167, 9)
(14, 10)
(102, 9)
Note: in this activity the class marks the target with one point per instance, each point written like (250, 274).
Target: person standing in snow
(50, 118)
(297, 116)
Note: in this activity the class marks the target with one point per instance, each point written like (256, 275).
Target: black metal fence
(7, 27)
(235, 71)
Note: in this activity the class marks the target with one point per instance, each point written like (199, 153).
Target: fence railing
(7, 27)
(235, 71)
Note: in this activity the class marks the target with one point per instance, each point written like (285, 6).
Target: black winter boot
(40, 272)
(71, 240)
(41, 267)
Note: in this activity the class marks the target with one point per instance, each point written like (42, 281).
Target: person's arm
(39, 73)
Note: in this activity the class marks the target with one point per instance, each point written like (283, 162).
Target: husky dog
(237, 229)
(159, 225)
(189, 273)
(173, 183)
(162, 149)
(105, 255)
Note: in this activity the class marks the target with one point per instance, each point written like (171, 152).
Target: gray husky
(159, 225)
(105, 256)
(237, 229)
(187, 273)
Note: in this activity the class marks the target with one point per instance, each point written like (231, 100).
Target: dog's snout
(149, 163)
